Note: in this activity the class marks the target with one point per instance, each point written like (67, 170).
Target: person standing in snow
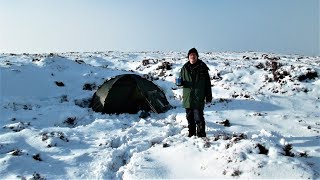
(196, 84)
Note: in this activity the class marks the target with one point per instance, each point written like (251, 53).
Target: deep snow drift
(264, 121)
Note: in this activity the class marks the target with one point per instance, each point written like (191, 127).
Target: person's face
(193, 58)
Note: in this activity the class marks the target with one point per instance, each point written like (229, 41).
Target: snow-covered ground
(49, 131)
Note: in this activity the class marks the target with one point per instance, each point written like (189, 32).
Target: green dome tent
(129, 93)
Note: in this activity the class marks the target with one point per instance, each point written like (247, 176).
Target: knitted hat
(193, 50)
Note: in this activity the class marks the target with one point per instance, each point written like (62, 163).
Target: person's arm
(186, 81)
(208, 91)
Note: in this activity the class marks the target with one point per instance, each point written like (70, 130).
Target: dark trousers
(196, 123)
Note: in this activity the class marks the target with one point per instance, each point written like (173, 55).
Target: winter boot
(192, 130)
(201, 129)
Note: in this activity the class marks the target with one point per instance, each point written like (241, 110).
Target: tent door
(154, 99)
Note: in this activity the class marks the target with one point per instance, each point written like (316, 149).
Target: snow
(49, 131)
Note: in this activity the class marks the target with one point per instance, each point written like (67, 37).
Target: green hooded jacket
(196, 85)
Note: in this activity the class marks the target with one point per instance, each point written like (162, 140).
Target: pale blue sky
(279, 26)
